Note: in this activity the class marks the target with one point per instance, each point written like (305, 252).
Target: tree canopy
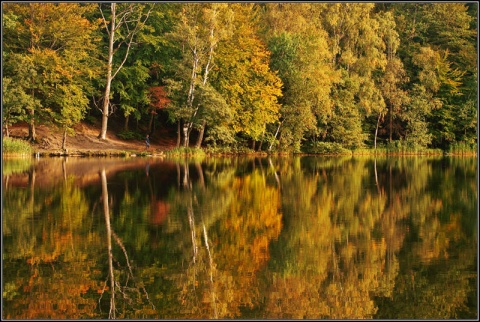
(290, 75)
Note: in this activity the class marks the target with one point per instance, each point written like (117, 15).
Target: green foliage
(250, 88)
(186, 151)
(49, 62)
(408, 147)
(228, 150)
(15, 146)
(130, 135)
(334, 72)
(463, 148)
(330, 148)
(300, 54)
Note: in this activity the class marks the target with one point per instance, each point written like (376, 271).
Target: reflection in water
(281, 238)
(106, 211)
(128, 292)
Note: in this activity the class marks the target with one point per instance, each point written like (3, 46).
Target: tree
(448, 30)
(121, 29)
(394, 76)
(358, 52)
(202, 27)
(48, 56)
(244, 77)
(158, 100)
(300, 55)
(146, 66)
(16, 99)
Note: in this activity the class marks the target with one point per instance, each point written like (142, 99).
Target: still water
(265, 238)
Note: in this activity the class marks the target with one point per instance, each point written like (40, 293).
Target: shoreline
(164, 153)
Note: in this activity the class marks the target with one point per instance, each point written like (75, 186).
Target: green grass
(226, 150)
(393, 148)
(16, 146)
(329, 148)
(185, 151)
(463, 148)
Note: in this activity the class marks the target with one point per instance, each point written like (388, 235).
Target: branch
(113, 108)
(104, 20)
(101, 294)
(95, 102)
(120, 243)
(122, 16)
(130, 36)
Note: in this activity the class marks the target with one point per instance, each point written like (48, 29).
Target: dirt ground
(85, 140)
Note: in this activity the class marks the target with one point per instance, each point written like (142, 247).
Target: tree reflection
(128, 293)
(106, 212)
(308, 238)
(230, 221)
(45, 270)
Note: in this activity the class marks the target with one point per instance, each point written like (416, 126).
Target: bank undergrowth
(15, 146)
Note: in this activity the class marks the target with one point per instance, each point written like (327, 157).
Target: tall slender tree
(121, 25)
(202, 27)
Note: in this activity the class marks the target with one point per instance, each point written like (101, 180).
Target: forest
(288, 77)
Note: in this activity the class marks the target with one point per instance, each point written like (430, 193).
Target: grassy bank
(12, 146)
(19, 147)
(396, 148)
(462, 148)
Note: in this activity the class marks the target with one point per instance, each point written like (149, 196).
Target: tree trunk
(261, 142)
(390, 124)
(153, 124)
(150, 123)
(179, 134)
(6, 132)
(186, 135)
(200, 135)
(106, 96)
(125, 127)
(32, 134)
(376, 131)
(64, 140)
(106, 212)
(275, 137)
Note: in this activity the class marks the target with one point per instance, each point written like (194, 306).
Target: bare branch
(120, 243)
(130, 39)
(103, 19)
(113, 108)
(96, 103)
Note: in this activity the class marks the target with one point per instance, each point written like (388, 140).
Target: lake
(302, 237)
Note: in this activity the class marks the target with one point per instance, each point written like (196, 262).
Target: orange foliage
(159, 212)
(158, 97)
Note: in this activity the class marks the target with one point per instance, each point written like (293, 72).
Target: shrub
(16, 146)
(185, 151)
(462, 148)
(130, 135)
(328, 148)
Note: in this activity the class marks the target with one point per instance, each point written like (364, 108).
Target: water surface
(265, 238)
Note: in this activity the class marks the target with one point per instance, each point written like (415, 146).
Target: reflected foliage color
(274, 237)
